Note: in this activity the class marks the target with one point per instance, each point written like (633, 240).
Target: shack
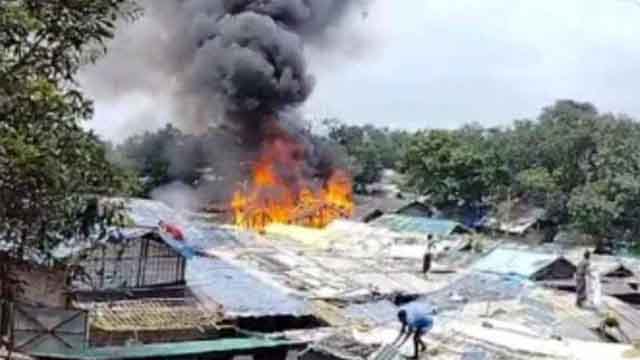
(418, 225)
(130, 258)
(532, 265)
(522, 221)
(369, 208)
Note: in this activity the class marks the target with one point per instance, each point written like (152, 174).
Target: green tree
(440, 164)
(370, 149)
(51, 169)
(165, 156)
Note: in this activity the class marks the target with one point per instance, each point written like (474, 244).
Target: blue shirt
(418, 317)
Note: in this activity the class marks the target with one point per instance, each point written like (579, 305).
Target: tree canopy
(50, 166)
(581, 166)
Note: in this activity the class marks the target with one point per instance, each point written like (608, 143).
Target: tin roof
(365, 206)
(509, 261)
(215, 281)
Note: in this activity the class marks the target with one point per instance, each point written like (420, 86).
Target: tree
(581, 166)
(370, 149)
(440, 164)
(51, 170)
(168, 155)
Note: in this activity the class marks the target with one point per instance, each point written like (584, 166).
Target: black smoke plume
(239, 63)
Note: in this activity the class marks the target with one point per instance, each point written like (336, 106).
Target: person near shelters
(594, 287)
(428, 257)
(416, 322)
(172, 230)
(581, 279)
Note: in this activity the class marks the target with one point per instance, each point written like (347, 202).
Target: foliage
(51, 169)
(449, 167)
(164, 156)
(581, 166)
(370, 149)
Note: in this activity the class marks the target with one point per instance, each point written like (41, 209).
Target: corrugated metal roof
(170, 350)
(198, 234)
(324, 275)
(417, 225)
(240, 293)
(367, 205)
(508, 261)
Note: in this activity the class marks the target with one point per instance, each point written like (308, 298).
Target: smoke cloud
(239, 63)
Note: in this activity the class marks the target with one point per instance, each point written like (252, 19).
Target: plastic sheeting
(507, 261)
(241, 294)
(375, 313)
(478, 287)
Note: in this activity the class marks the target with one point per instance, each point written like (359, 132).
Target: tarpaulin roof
(418, 225)
(240, 293)
(508, 261)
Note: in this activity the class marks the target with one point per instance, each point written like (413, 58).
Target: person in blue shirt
(416, 322)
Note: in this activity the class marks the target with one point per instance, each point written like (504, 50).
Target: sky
(417, 64)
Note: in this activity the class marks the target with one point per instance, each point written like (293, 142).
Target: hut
(532, 265)
(418, 225)
(132, 258)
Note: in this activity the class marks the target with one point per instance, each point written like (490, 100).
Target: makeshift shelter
(416, 225)
(471, 216)
(128, 259)
(618, 277)
(368, 208)
(531, 265)
(519, 219)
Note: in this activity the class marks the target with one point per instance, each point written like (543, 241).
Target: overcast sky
(443, 63)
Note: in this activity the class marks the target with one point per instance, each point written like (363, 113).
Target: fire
(279, 192)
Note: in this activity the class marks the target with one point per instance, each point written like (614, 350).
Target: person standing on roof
(581, 279)
(416, 322)
(428, 257)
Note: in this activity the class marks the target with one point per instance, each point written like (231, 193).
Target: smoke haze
(238, 64)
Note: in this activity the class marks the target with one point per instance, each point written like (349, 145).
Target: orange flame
(271, 199)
